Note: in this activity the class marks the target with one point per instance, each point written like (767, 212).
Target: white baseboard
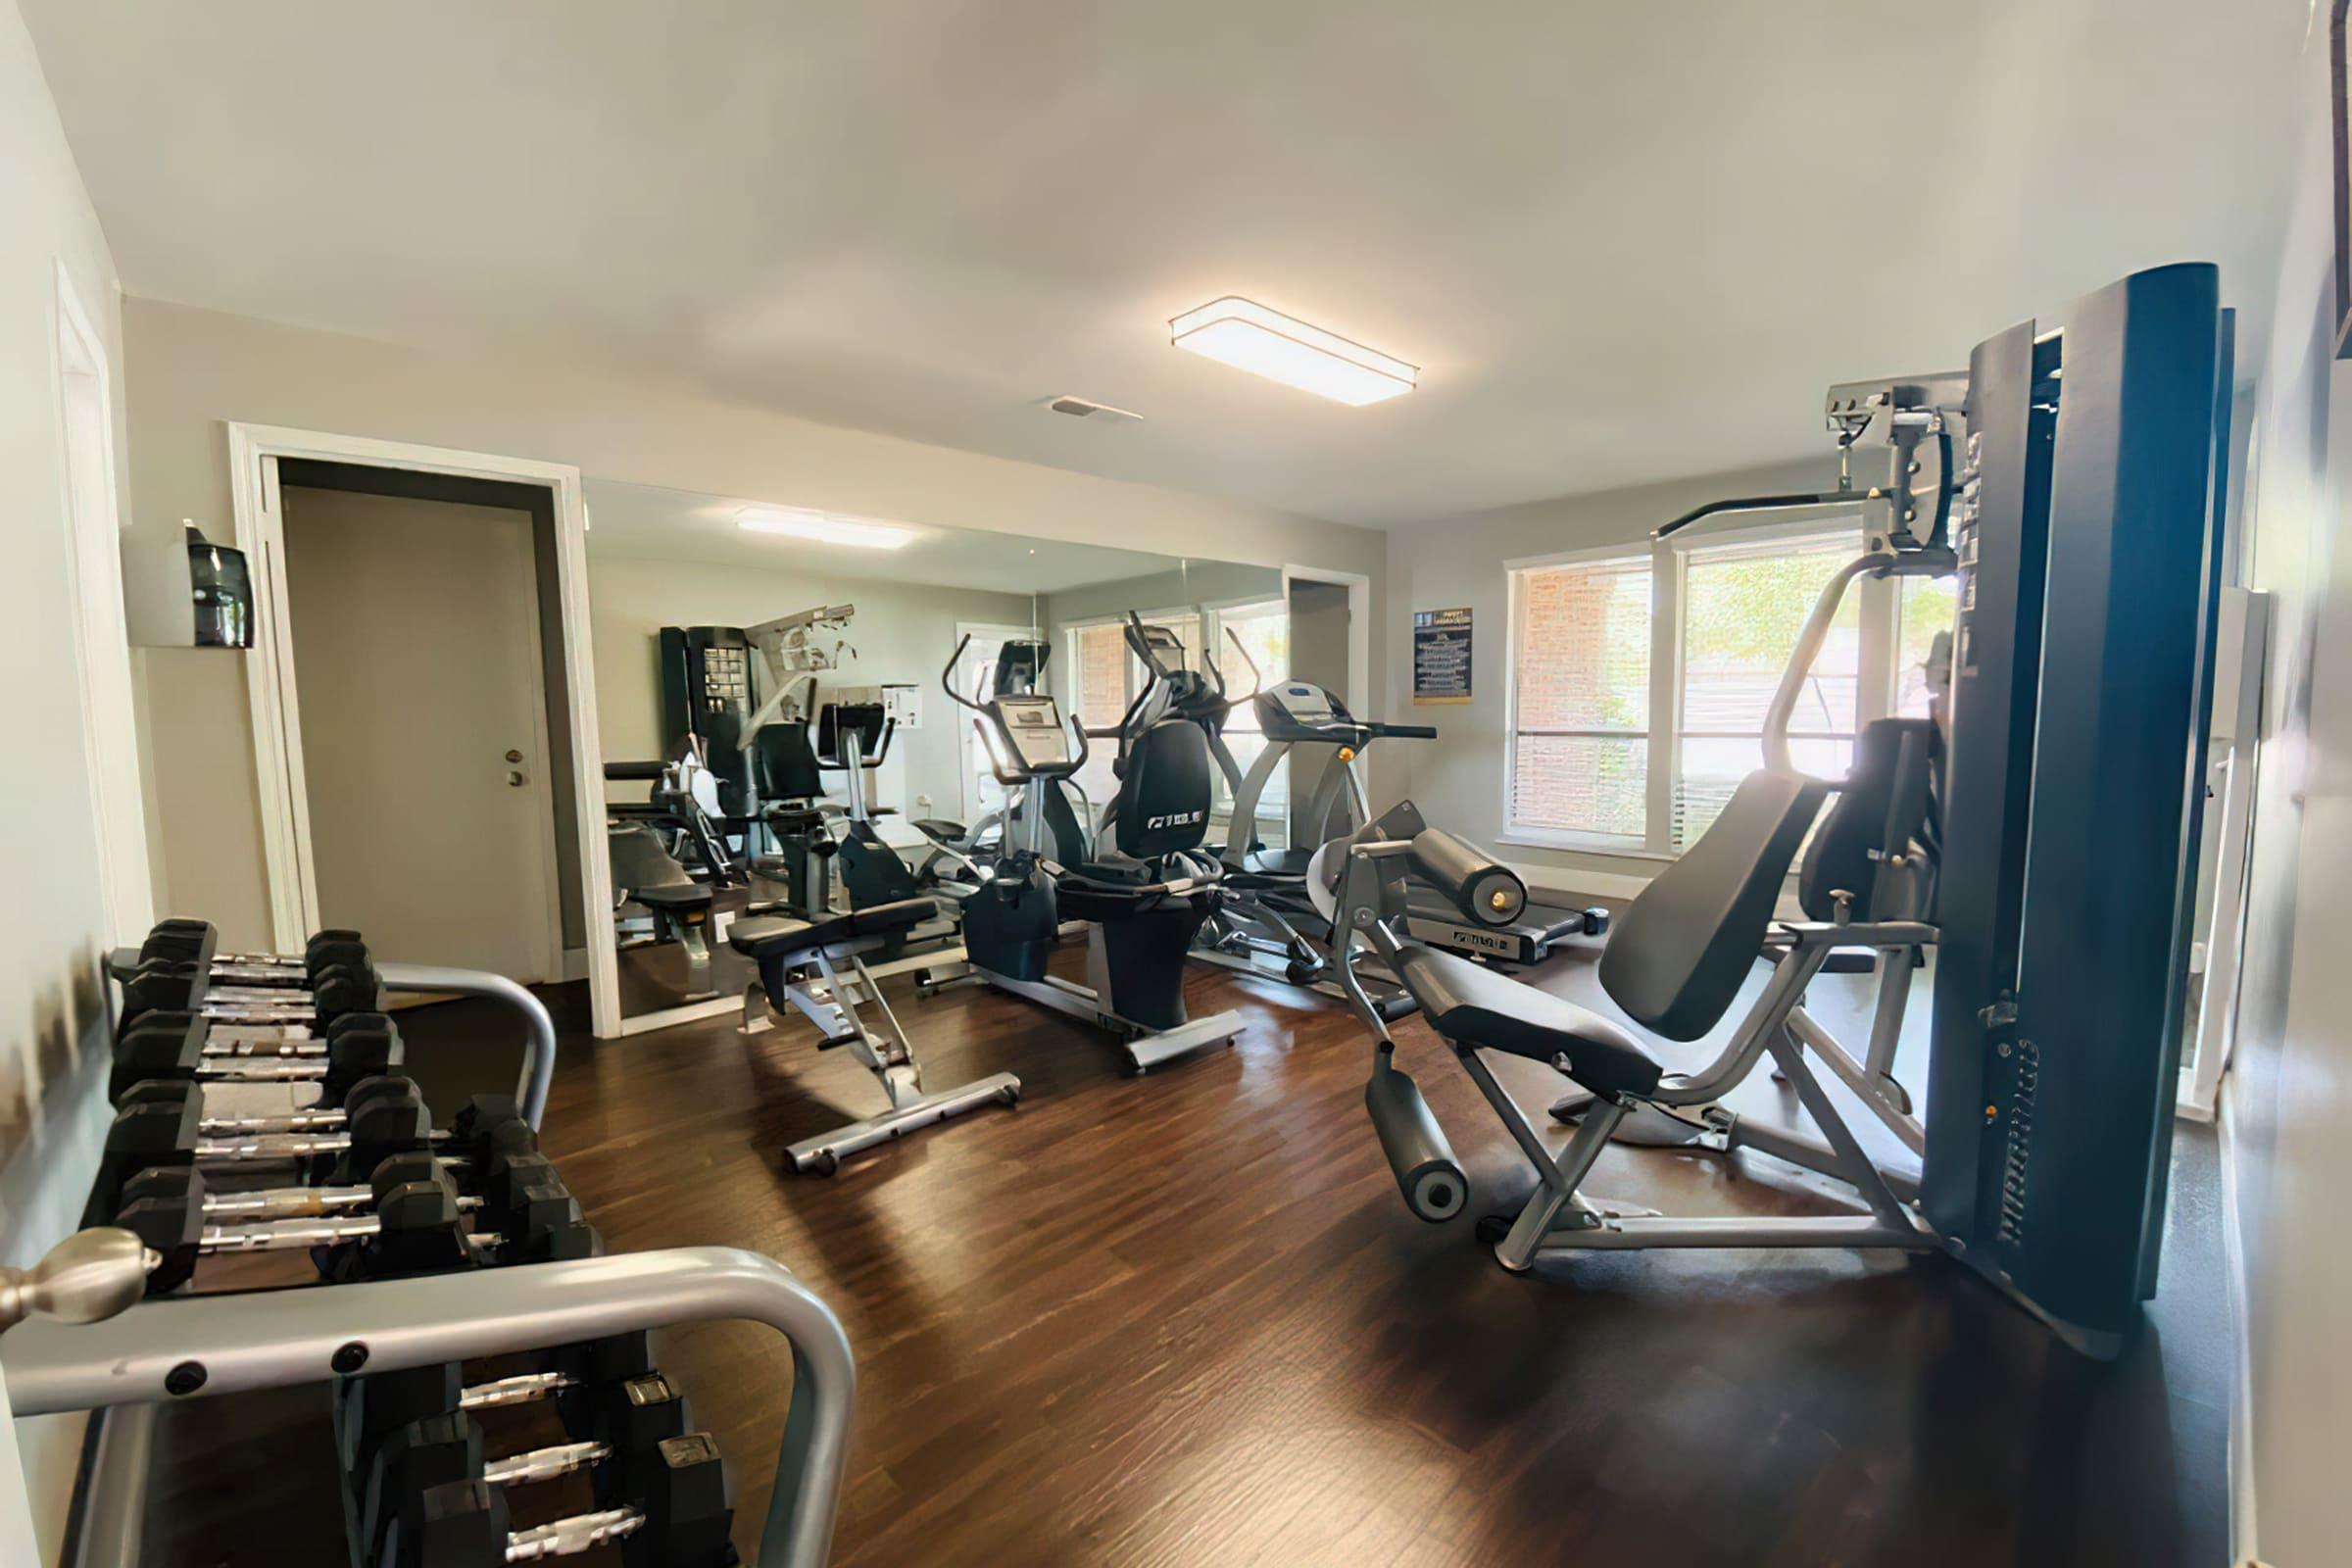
(2242, 1533)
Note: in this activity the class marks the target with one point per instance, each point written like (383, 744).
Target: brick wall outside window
(1582, 663)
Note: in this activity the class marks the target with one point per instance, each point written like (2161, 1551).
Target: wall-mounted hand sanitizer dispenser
(180, 590)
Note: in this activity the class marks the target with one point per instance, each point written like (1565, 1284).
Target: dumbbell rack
(170, 1348)
(123, 1443)
(539, 1053)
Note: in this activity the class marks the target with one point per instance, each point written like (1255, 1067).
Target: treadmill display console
(1299, 711)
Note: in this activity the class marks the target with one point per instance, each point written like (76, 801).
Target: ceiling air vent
(1081, 409)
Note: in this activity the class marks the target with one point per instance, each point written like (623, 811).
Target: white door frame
(102, 641)
(253, 451)
(1359, 627)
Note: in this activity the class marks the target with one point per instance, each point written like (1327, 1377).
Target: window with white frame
(1743, 602)
(1640, 679)
(1264, 630)
(1925, 607)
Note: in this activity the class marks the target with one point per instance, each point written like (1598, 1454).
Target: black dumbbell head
(160, 1044)
(183, 940)
(592, 1364)
(165, 1210)
(500, 1188)
(321, 957)
(417, 1232)
(357, 1051)
(462, 1525)
(159, 1092)
(403, 1170)
(683, 1495)
(480, 1114)
(379, 1087)
(160, 1134)
(156, 987)
(375, 1406)
(359, 1022)
(431, 1451)
(343, 989)
(541, 1224)
(564, 1242)
(386, 1125)
(632, 1419)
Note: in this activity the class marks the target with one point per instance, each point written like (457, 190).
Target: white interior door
(421, 697)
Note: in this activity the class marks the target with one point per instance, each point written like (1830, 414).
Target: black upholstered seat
(780, 941)
(672, 896)
(1473, 1005)
(1284, 864)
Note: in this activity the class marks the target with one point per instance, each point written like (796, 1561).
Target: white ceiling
(650, 522)
(1625, 241)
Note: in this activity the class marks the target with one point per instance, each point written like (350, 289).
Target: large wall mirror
(769, 687)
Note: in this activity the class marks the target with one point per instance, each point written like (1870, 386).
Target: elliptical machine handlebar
(947, 676)
(834, 763)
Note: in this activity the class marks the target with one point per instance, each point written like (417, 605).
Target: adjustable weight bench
(649, 876)
(786, 950)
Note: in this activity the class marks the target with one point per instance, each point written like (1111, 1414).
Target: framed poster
(1442, 655)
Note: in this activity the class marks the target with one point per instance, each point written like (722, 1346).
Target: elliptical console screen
(1032, 725)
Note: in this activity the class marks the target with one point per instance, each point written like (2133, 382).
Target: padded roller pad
(1473, 1005)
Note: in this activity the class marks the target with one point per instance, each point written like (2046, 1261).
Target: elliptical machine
(853, 739)
(1144, 893)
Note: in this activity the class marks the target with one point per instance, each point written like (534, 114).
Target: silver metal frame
(276, 1339)
(1145, 1047)
(1558, 1218)
(831, 1003)
(539, 1050)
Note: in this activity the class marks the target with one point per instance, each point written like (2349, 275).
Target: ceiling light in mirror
(824, 527)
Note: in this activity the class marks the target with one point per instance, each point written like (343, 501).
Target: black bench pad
(1473, 1005)
(672, 896)
(779, 941)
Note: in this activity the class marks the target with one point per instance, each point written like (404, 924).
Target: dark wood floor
(1185, 1319)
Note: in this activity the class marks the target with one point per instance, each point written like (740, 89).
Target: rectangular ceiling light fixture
(824, 527)
(1249, 336)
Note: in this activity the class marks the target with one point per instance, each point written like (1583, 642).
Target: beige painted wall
(2288, 1096)
(901, 632)
(190, 370)
(1457, 779)
(52, 1013)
